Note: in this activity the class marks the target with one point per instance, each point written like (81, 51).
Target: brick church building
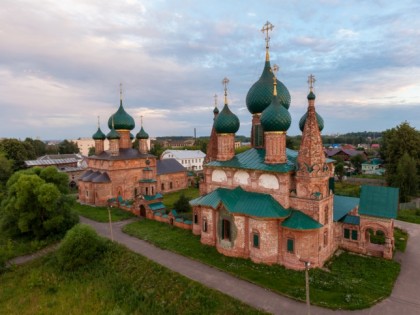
(275, 205)
(128, 177)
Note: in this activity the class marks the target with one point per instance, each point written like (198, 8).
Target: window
(170, 185)
(135, 192)
(195, 218)
(290, 245)
(225, 229)
(346, 233)
(163, 186)
(354, 235)
(204, 227)
(326, 215)
(256, 240)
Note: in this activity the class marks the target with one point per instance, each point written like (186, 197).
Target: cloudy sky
(61, 63)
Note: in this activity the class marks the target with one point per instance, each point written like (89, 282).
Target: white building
(192, 160)
(85, 143)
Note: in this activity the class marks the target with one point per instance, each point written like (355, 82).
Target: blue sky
(61, 63)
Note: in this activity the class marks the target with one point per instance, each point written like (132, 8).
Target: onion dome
(131, 136)
(226, 121)
(113, 134)
(319, 119)
(142, 134)
(261, 92)
(275, 117)
(122, 120)
(215, 110)
(98, 135)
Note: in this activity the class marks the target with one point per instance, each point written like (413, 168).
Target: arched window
(204, 227)
(162, 186)
(326, 215)
(195, 218)
(256, 240)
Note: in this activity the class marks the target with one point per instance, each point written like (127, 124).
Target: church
(125, 177)
(275, 205)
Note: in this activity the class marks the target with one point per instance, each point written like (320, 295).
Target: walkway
(404, 298)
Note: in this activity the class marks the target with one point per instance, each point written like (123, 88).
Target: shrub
(80, 246)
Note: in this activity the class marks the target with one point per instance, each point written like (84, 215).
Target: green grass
(100, 214)
(347, 189)
(122, 282)
(409, 215)
(10, 248)
(370, 176)
(401, 238)
(351, 281)
(169, 199)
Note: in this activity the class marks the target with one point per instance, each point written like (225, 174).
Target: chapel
(275, 205)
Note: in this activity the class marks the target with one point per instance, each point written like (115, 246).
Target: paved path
(24, 259)
(404, 300)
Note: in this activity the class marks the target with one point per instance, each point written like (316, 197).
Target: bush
(80, 246)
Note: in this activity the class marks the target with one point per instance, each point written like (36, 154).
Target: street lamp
(110, 222)
(308, 303)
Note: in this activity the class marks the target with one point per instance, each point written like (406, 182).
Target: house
(192, 160)
(171, 176)
(274, 205)
(344, 154)
(374, 166)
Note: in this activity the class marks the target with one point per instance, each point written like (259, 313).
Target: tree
(38, 146)
(157, 149)
(396, 142)
(17, 152)
(182, 204)
(357, 161)
(406, 177)
(339, 171)
(34, 207)
(91, 151)
(68, 147)
(5, 172)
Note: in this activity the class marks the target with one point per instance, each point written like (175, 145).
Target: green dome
(131, 136)
(275, 117)
(311, 96)
(226, 121)
(122, 120)
(261, 92)
(319, 119)
(113, 134)
(98, 135)
(215, 110)
(142, 134)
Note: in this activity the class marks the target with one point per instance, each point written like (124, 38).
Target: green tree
(357, 161)
(35, 208)
(339, 171)
(38, 146)
(17, 152)
(5, 172)
(406, 177)
(395, 143)
(91, 151)
(157, 149)
(183, 204)
(68, 147)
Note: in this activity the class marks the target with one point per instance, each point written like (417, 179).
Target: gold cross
(215, 100)
(141, 120)
(311, 81)
(98, 121)
(267, 27)
(225, 82)
(120, 91)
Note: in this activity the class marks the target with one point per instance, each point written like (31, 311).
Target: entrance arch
(142, 211)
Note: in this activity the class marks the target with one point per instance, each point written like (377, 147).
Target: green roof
(243, 202)
(98, 135)
(253, 159)
(343, 205)
(300, 221)
(113, 134)
(147, 180)
(319, 120)
(275, 117)
(261, 92)
(378, 201)
(157, 196)
(351, 219)
(121, 120)
(226, 121)
(142, 134)
(157, 206)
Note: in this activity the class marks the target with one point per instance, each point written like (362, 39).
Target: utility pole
(110, 222)
(308, 303)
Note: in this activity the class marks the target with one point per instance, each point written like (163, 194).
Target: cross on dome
(225, 82)
(121, 91)
(215, 100)
(267, 27)
(311, 81)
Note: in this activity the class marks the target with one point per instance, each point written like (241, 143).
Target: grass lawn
(370, 176)
(122, 282)
(401, 238)
(100, 214)
(170, 198)
(351, 281)
(347, 189)
(409, 215)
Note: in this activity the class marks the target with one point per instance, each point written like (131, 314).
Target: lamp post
(110, 222)
(308, 303)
